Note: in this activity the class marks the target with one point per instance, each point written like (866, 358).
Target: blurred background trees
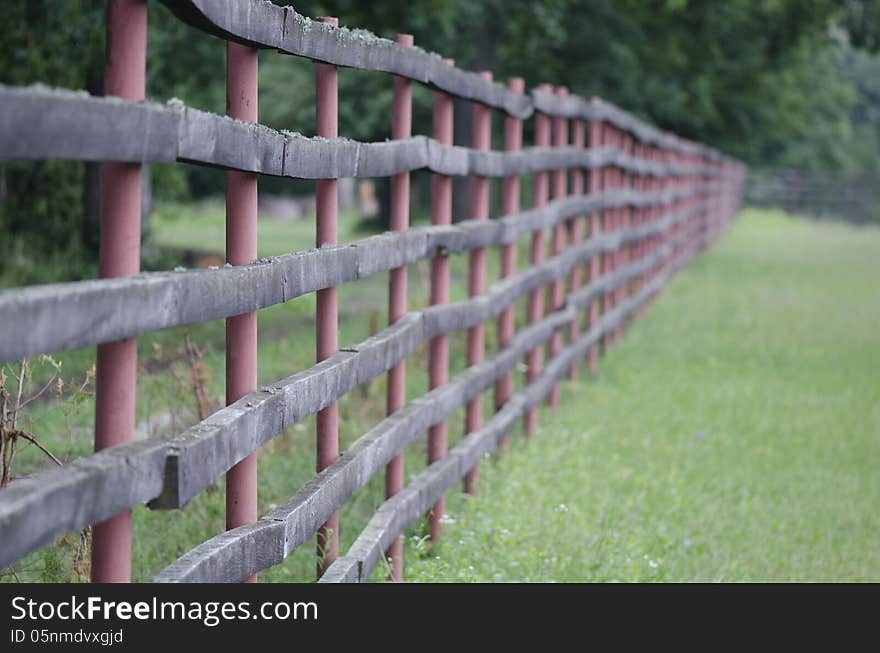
(775, 82)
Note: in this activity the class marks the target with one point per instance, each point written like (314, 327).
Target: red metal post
(623, 254)
(595, 267)
(619, 217)
(509, 205)
(481, 139)
(578, 140)
(608, 225)
(438, 355)
(327, 319)
(119, 256)
(241, 248)
(642, 182)
(559, 190)
(535, 309)
(401, 127)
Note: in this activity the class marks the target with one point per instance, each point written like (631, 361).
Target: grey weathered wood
(36, 510)
(264, 25)
(41, 123)
(56, 317)
(574, 106)
(229, 143)
(255, 546)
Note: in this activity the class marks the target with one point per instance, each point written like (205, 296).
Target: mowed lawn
(733, 435)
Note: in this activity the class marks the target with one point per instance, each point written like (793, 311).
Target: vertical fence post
(479, 210)
(241, 248)
(660, 186)
(438, 353)
(327, 318)
(626, 220)
(653, 184)
(619, 224)
(557, 245)
(595, 227)
(670, 183)
(119, 256)
(401, 127)
(535, 309)
(509, 204)
(608, 218)
(638, 215)
(578, 140)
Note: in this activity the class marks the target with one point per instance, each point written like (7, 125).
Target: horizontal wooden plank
(57, 317)
(37, 509)
(41, 123)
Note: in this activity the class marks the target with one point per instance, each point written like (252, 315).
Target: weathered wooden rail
(654, 202)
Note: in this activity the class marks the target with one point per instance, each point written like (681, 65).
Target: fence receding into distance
(854, 197)
(624, 205)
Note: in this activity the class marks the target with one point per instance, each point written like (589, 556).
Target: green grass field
(734, 435)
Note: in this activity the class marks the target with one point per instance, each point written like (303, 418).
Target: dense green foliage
(775, 82)
(732, 436)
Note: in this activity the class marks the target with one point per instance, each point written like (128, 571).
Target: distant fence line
(850, 196)
(626, 205)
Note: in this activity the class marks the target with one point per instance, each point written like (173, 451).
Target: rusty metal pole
(641, 181)
(327, 318)
(578, 140)
(635, 218)
(557, 245)
(481, 139)
(625, 221)
(619, 224)
(438, 353)
(537, 247)
(509, 205)
(595, 267)
(608, 216)
(119, 256)
(241, 248)
(401, 127)
(662, 186)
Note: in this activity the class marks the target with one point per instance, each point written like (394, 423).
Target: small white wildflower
(652, 564)
(447, 519)
(563, 507)
(299, 426)
(272, 506)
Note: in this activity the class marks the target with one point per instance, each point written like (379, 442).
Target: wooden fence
(836, 195)
(625, 205)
